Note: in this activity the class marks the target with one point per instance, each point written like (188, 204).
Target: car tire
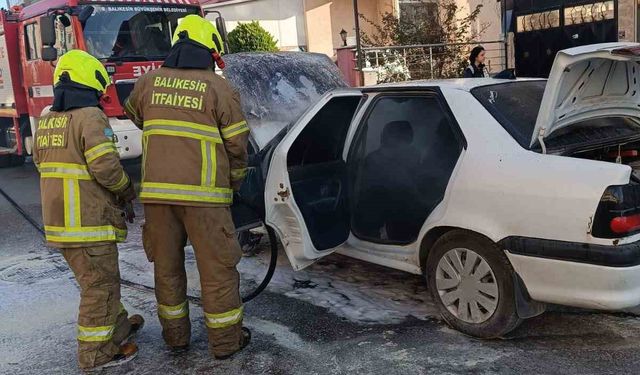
(5, 161)
(9, 160)
(485, 306)
(17, 160)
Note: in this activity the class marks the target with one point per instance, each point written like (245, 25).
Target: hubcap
(467, 286)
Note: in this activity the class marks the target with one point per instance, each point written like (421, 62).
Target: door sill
(368, 256)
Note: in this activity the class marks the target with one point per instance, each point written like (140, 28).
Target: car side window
(401, 162)
(322, 140)
(32, 41)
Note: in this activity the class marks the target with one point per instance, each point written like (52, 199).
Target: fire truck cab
(129, 37)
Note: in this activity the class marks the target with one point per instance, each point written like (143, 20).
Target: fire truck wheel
(17, 160)
(5, 161)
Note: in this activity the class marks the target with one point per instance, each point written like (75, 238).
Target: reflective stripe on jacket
(80, 178)
(194, 137)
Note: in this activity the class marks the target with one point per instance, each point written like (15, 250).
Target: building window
(539, 21)
(418, 11)
(594, 12)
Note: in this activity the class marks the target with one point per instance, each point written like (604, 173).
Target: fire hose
(273, 247)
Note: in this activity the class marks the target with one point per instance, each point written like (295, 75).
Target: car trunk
(625, 152)
(590, 109)
(586, 83)
(590, 106)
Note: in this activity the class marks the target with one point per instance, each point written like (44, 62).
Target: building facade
(488, 30)
(307, 25)
(540, 28)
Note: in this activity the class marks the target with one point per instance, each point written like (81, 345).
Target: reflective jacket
(80, 178)
(194, 137)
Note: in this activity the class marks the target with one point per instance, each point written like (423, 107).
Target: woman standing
(476, 63)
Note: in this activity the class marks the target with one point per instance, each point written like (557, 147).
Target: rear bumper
(580, 275)
(611, 256)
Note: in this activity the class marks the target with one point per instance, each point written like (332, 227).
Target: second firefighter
(194, 158)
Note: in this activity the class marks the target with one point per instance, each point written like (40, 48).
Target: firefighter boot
(126, 353)
(136, 322)
(244, 342)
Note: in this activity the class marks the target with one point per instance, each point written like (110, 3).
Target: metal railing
(429, 61)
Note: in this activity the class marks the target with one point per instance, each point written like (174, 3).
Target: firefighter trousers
(102, 319)
(217, 252)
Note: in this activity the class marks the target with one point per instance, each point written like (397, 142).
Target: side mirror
(49, 53)
(48, 30)
(85, 13)
(221, 25)
(64, 20)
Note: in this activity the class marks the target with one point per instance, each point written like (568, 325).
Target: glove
(128, 194)
(128, 212)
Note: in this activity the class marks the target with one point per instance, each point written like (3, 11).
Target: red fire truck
(131, 37)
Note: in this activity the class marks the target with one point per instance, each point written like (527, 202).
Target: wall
(284, 19)
(326, 18)
(488, 27)
(627, 10)
(313, 25)
(488, 20)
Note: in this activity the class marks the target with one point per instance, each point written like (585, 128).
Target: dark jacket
(474, 71)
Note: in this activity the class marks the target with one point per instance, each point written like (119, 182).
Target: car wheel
(471, 282)
(5, 161)
(17, 160)
(9, 160)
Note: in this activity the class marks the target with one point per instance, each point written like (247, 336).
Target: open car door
(306, 186)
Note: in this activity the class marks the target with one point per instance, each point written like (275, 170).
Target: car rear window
(515, 105)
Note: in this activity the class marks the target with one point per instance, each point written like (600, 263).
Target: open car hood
(590, 81)
(276, 88)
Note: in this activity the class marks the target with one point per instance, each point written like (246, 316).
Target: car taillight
(618, 214)
(625, 224)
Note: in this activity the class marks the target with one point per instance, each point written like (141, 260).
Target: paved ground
(340, 316)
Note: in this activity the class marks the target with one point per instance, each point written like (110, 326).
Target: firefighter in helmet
(194, 158)
(84, 194)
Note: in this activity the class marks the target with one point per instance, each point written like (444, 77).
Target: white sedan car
(506, 194)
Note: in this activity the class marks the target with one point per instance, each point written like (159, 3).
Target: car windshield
(515, 105)
(132, 32)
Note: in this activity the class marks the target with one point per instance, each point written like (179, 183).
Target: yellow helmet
(83, 69)
(201, 31)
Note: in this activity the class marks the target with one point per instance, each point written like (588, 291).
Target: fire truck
(131, 37)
